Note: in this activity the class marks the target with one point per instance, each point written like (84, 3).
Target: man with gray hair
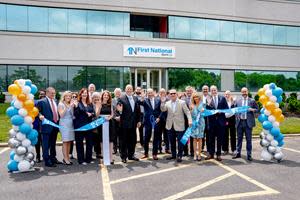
(116, 119)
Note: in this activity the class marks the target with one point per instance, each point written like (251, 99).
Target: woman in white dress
(65, 110)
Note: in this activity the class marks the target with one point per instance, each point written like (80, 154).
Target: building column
(135, 77)
(148, 78)
(227, 80)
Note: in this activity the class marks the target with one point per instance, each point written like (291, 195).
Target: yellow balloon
(28, 104)
(270, 106)
(22, 97)
(277, 112)
(263, 99)
(261, 91)
(14, 89)
(34, 111)
(280, 118)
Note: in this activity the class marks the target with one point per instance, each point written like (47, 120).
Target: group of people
(163, 116)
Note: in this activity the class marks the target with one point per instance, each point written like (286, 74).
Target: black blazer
(219, 118)
(81, 116)
(231, 120)
(128, 118)
(45, 110)
(148, 110)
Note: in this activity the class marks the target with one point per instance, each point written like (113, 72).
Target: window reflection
(96, 22)
(212, 31)
(2, 17)
(227, 31)
(292, 36)
(17, 18)
(266, 34)
(253, 33)
(198, 29)
(38, 19)
(3, 86)
(58, 20)
(38, 75)
(58, 77)
(114, 23)
(77, 21)
(279, 35)
(182, 28)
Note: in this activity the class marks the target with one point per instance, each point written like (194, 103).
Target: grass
(291, 125)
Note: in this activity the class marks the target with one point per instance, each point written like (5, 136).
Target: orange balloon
(263, 99)
(277, 112)
(280, 118)
(22, 97)
(270, 106)
(261, 91)
(14, 89)
(34, 111)
(28, 104)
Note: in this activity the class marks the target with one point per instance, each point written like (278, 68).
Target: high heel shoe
(66, 163)
(195, 158)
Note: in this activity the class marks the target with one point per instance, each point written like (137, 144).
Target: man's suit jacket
(250, 115)
(148, 110)
(219, 118)
(45, 110)
(176, 119)
(128, 117)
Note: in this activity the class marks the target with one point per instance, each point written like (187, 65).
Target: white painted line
(199, 187)
(293, 150)
(106, 185)
(3, 150)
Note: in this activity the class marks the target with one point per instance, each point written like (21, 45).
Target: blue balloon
(25, 128)
(33, 89)
(279, 137)
(275, 131)
(281, 143)
(279, 99)
(262, 111)
(277, 92)
(12, 165)
(272, 85)
(17, 120)
(12, 155)
(34, 141)
(32, 135)
(11, 111)
(267, 125)
(28, 82)
(262, 118)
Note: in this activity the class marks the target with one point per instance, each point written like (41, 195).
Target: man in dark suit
(129, 120)
(48, 110)
(245, 123)
(151, 112)
(217, 123)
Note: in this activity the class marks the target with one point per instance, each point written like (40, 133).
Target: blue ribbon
(94, 124)
(206, 113)
(152, 121)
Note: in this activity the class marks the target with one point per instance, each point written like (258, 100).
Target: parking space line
(293, 150)
(106, 185)
(199, 187)
(3, 150)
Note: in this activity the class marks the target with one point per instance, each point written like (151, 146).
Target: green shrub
(294, 105)
(2, 97)
(283, 97)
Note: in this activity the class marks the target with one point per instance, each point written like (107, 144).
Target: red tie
(54, 111)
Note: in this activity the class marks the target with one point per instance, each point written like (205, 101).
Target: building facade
(68, 44)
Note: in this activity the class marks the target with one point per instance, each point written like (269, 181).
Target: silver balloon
(272, 149)
(21, 150)
(13, 143)
(266, 155)
(12, 133)
(262, 135)
(264, 143)
(278, 156)
(32, 164)
(274, 143)
(270, 137)
(29, 156)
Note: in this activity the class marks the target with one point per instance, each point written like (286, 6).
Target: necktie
(131, 103)
(244, 115)
(152, 103)
(54, 112)
(215, 101)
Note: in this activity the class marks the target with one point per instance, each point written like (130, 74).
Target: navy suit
(49, 133)
(217, 125)
(148, 112)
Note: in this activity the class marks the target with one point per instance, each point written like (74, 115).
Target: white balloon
(28, 120)
(23, 112)
(30, 149)
(18, 158)
(277, 105)
(262, 135)
(274, 143)
(26, 89)
(268, 93)
(20, 136)
(32, 164)
(21, 150)
(268, 113)
(266, 86)
(16, 128)
(265, 143)
(271, 118)
(266, 131)
(265, 155)
(31, 96)
(271, 149)
(270, 137)
(278, 149)
(21, 82)
(24, 165)
(18, 104)
(278, 156)
(276, 124)
(26, 143)
(273, 98)
(12, 132)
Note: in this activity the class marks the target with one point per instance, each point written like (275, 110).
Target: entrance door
(148, 78)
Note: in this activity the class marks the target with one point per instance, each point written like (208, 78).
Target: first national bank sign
(148, 51)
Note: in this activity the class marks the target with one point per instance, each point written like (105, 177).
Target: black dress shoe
(49, 164)
(236, 156)
(249, 158)
(134, 158)
(124, 160)
(171, 158)
(179, 160)
(56, 162)
(209, 157)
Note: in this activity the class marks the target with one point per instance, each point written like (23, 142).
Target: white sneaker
(84, 163)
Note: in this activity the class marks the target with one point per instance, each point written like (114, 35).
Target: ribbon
(105, 143)
(206, 113)
(94, 124)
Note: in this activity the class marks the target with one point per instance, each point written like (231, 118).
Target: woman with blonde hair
(198, 121)
(96, 101)
(65, 111)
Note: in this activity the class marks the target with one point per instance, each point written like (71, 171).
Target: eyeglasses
(172, 93)
(74, 97)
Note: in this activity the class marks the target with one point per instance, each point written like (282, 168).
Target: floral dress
(198, 131)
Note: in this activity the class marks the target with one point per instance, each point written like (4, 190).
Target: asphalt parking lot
(162, 179)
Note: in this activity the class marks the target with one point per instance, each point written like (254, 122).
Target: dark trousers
(141, 134)
(38, 146)
(96, 142)
(216, 132)
(49, 145)
(71, 148)
(79, 137)
(172, 137)
(116, 129)
(230, 130)
(241, 129)
(147, 137)
(127, 142)
(163, 135)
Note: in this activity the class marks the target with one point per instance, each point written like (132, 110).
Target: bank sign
(148, 51)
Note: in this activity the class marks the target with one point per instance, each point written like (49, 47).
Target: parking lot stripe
(293, 150)
(106, 185)
(3, 150)
(199, 187)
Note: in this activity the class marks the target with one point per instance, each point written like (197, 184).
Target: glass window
(114, 78)
(126, 17)
(77, 21)
(58, 77)
(38, 19)
(227, 31)
(198, 29)
(38, 75)
(292, 36)
(15, 72)
(212, 30)
(280, 35)
(96, 22)
(127, 77)
(17, 18)
(2, 17)
(240, 32)
(96, 75)
(171, 27)
(266, 34)
(3, 86)
(76, 78)
(253, 33)
(58, 20)
(182, 28)
(114, 23)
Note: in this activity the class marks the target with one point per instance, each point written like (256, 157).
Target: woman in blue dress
(199, 124)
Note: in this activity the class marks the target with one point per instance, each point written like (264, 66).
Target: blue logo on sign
(131, 50)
